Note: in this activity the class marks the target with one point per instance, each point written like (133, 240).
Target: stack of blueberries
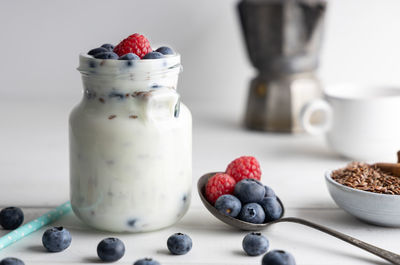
(251, 202)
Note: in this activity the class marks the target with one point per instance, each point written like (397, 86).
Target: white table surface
(34, 175)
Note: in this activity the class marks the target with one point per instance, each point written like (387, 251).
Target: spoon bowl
(201, 185)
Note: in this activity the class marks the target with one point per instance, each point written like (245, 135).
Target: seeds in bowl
(366, 177)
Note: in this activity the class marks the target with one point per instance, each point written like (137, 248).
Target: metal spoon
(385, 254)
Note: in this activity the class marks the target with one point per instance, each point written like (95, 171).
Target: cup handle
(306, 114)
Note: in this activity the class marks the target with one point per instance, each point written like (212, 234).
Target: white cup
(360, 122)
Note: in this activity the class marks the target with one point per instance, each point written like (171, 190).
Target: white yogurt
(130, 146)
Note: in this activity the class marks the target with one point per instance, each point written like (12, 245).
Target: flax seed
(368, 178)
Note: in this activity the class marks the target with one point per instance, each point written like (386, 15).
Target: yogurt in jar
(130, 145)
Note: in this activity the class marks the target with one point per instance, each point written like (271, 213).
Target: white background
(40, 42)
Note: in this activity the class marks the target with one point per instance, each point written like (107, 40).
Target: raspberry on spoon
(244, 167)
(218, 185)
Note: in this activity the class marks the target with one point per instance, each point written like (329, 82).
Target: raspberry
(218, 185)
(244, 167)
(136, 43)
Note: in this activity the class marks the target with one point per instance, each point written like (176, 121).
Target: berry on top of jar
(134, 47)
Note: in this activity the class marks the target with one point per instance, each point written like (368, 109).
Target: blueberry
(11, 218)
(179, 244)
(269, 192)
(56, 239)
(129, 56)
(110, 249)
(131, 222)
(146, 261)
(255, 244)
(106, 55)
(278, 257)
(165, 50)
(249, 190)
(229, 205)
(90, 94)
(108, 46)
(11, 261)
(252, 213)
(97, 50)
(117, 95)
(177, 109)
(272, 208)
(153, 55)
(92, 64)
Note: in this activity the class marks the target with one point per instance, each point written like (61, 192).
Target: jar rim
(89, 65)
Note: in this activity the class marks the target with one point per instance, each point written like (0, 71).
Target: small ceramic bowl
(374, 208)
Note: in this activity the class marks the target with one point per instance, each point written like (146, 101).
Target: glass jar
(130, 145)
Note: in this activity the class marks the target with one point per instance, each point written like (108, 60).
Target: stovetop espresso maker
(283, 39)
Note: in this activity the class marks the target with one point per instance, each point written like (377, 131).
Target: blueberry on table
(249, 190)
(179, 244)
(108, 46)
(252, 213)
(272, 208)
(278, 257)
(269, 192)
(56, 239)
(97, 50)
(146, 261)
(129, 56)
(153, 55)
(229, 205)
(106, 55)
(110, 249)
(255, 244)
(11, 261)
(165, 50)
(11, 218)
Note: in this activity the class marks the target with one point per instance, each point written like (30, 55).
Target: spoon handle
(393, 168)
(385, 254)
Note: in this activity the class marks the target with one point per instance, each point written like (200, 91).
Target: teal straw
(34, 225)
